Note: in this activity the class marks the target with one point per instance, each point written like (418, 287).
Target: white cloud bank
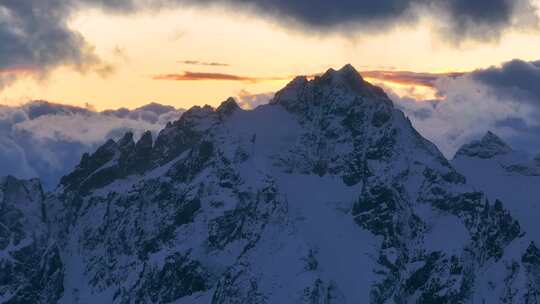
(46, 140)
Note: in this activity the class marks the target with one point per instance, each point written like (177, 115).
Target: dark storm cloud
(34, 33)
(249, 101)
(34, 36)
(517, 78)
(478, 19)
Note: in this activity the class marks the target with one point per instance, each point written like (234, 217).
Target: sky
(457, 68)
(227, 48)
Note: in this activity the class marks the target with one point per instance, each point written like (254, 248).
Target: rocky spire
(126, 143)
(350, 78)
(227, 107)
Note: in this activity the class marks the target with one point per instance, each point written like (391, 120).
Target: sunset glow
(249, 53)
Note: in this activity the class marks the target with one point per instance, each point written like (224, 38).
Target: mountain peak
(146, 139)
(228, 106)
(348, 69)
(347, 74)
(349, 78)
(489, 146)
(339, 86)
(126, 142)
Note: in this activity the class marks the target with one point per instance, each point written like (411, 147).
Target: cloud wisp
(249, 101)
(203, 76)
(204, 63)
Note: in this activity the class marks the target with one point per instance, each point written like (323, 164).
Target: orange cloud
(409, 78)
(195, 76)
(196, 62)
(21, 70)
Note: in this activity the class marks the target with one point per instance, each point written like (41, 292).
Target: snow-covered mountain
(325, 195)
(503, 173)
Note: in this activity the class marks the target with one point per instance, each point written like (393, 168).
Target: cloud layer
(46, 140)
(504, 99)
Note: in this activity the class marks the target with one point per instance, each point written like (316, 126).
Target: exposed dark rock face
(31, 268)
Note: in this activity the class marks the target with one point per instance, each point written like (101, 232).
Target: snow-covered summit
(489, 146)
(345, 81)
(492, 149)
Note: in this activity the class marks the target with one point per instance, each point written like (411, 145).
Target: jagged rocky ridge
(509, 175)
(325, 195)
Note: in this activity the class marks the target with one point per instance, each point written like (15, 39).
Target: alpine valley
(327, 195)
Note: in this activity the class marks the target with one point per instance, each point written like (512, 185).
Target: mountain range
(327, 194)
